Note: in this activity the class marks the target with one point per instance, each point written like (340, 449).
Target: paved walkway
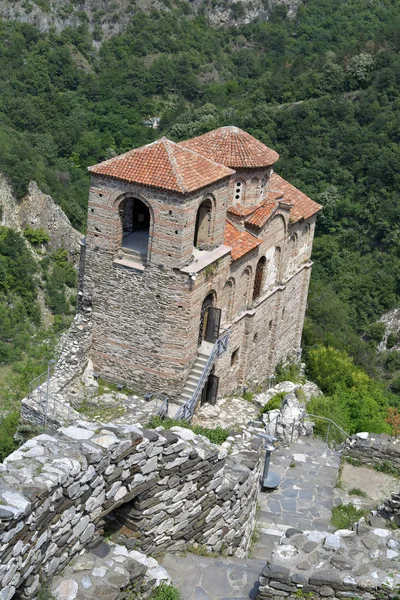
(303, 500)
(203, 578)
(305, 496)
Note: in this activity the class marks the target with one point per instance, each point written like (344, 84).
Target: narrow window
(235, 357)
(238, 192)
(203, 227)
(259, 278)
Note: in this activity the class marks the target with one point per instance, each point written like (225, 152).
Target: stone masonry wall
(373, 449)
(178, 489)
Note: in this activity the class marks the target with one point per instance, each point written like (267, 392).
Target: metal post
(327, 433)
(49, 365)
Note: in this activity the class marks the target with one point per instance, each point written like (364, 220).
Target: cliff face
(110, 17)
(39, 211)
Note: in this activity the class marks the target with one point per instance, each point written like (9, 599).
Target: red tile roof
(242, 211)
(233, 147)
(303, 206)
(163, 164)
(241, 242)
(261, 216)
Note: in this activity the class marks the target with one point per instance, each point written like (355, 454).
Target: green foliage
(8, 427)
(217, 435)
(273, 403)
(36, 236)
(392, 340)
(357, 492)
(375, 332)
(345, 515)
(353, 461)
(386, 466)
(166, 591)
(247, 395)
(288, 372)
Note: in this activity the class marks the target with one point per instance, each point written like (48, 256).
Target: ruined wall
(361, 563)
(373, 449)
(176, 488)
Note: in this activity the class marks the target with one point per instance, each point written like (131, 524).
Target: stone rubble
(359, 563)
(171, 487)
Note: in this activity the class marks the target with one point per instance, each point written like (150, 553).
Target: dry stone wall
(362, 563)
(176, 488)
(374, 449)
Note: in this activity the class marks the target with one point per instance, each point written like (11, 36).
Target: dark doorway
(259, 278)
(210, 390)
(207, 303)
(203, 224)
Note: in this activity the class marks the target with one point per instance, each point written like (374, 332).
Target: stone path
(203, 578)
(305, 496)
(303, 500)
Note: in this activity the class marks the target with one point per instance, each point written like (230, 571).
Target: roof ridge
(165, 141)
(210, 160)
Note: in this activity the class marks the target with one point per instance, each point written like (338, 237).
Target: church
(197, 266)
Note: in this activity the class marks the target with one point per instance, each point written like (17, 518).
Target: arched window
(135, 224)
(259, 278)
(292, 258)
(227, 300)
(203, 227)
(238, 192)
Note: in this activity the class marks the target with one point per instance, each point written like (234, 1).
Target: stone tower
(187, 243)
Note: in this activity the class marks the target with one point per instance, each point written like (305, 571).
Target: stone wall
(390, 509)
(362, 563)
(74, 348)
(176, 488)
(373, 449)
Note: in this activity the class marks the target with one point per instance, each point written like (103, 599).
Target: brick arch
(228, 299)
(292, 251)
(114, 202)
(246, 286)
(199, 240)
(282, 221)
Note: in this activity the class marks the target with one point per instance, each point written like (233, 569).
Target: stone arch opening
(208, 302)
(246, 286)
(135, 220)
(259, 278)
(278, 261)
(227, 300)
(203, 227)
(292, 252)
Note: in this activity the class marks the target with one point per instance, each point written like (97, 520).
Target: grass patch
(201, 550)
(217, 435)
(166, 591)
(358, 492)
(353, 461)
(345, 515)
(248, 395)
(273, 403)
(387, 467)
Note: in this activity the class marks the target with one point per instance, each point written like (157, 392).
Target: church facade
(187, 243)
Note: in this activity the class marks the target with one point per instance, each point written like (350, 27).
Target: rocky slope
(108, 17)
(39, 210)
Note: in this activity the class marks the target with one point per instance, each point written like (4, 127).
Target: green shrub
(345, 515)
(375, 332)
(217, 435)
(386, 466)
(392, 340)
(8, 427)
(288, 372)
(36, 236)
(357, 492)
(273, 403)
(166, 591)
(247, 395)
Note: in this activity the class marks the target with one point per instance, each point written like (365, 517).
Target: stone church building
(197, 265)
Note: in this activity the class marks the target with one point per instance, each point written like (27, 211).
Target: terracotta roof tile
(163, 164)
(241, 242)
(261, 216)
(233, 147)
(242, 211)
(303, 206)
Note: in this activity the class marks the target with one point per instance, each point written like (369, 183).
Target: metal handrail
(186, 411)
(330, 421)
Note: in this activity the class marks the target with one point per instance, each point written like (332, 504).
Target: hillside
(105, 18)
(321, 86)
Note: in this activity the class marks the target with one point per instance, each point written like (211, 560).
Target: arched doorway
(259, 278)
(208, 303)
(202, 232)
(135, 224)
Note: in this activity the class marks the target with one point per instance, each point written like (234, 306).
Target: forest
(322, 88)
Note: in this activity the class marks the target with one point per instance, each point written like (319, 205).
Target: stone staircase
(196, 372)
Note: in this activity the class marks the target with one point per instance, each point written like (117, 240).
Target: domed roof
(232, 147)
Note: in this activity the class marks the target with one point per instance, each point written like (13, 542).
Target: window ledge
(128, 262)
(203, 258)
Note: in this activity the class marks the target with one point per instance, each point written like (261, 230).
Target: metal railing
(330, 422)
(186, 411)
